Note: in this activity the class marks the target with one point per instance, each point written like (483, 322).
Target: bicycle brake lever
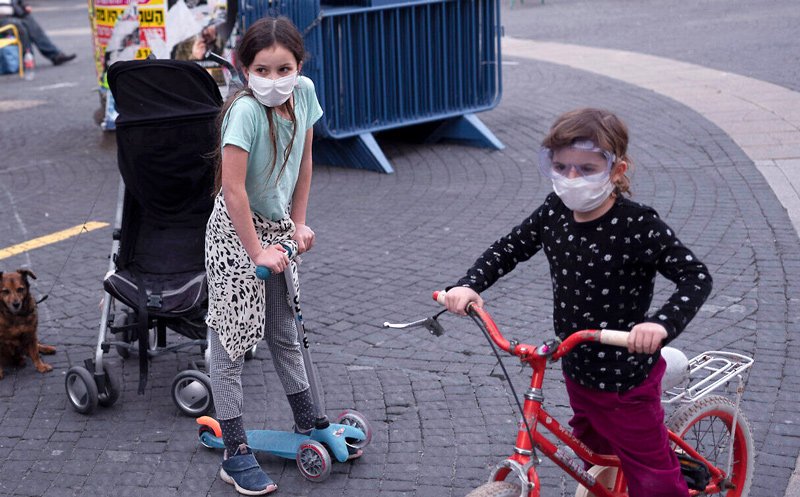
(434, 326)
(549, 347)
(430, 324)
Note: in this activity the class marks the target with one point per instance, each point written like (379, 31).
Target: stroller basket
(179, 301)
(163, 298)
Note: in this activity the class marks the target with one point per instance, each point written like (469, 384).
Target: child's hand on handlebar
(646, 338)
(273, 257)
(457, 299)
(304, 236)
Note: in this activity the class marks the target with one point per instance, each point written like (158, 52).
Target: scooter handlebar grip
(614, 337)
(263, 272)
(439, 296)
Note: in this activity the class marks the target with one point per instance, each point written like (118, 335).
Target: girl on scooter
(604, 252)
(263, 178)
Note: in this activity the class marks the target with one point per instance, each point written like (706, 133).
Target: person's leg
(25, 39)
(226, 387)
(580, 422)
(633, 424)
(39, 37)
(239, 465)
(281, 337)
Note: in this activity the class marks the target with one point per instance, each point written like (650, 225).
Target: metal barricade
(386, 64)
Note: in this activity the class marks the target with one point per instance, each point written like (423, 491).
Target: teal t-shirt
(245, 125)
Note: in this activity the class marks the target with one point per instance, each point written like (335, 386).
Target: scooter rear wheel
(313, 461)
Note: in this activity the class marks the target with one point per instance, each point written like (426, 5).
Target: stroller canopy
(166, 135)
(157, 90)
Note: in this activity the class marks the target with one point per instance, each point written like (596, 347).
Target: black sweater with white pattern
(603, 274)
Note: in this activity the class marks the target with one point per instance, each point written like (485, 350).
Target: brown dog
(18, 322)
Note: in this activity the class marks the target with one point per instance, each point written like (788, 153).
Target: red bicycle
(709, 433)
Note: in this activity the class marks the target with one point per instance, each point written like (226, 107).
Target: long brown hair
(603, 127)
(262, 34)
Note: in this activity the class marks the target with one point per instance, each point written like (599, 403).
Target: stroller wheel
(109, 395)
(191, 392)
(355, 419)
(81, 389)
(313, 460)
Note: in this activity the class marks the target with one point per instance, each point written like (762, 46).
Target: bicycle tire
(604, 474)
(692, 419)
(496, 489)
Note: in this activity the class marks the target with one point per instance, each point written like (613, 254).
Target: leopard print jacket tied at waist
(236, 299)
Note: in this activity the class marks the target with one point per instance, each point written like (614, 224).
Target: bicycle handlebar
(609, 337)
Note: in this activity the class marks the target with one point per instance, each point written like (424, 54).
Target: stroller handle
(263, 272)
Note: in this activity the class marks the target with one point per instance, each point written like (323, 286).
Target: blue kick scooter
(343, 439)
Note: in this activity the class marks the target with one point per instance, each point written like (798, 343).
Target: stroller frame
(156, 269)
(93, 384)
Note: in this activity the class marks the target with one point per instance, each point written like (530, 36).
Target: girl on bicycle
(604, 252)
(263, 178)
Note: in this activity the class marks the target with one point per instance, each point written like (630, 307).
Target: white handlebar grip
(614, 337)
(439, 295)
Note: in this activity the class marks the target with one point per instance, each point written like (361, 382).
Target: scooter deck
(285, 444)
(280, 443)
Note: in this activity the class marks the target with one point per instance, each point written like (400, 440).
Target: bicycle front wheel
(706, 426)
(497, 489)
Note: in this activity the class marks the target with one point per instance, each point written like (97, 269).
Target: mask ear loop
(618, 187)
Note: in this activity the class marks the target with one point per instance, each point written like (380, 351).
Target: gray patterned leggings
(281, 337)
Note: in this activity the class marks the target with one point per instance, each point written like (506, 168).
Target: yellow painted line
(49, 239)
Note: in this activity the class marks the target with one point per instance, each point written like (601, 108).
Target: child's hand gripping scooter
(344, 439)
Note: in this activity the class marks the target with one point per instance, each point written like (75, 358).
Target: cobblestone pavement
(441, 415)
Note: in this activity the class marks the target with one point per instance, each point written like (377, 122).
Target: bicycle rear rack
(707, 372)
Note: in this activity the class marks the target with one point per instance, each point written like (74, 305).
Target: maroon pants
(630, 425)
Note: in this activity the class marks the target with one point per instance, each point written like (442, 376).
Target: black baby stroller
(156, 280)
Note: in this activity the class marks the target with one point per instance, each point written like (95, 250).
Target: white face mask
(272, 92)
(581, 195)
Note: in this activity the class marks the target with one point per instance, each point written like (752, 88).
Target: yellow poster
(131, 29)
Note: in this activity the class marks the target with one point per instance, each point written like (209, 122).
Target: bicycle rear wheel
(706, 426)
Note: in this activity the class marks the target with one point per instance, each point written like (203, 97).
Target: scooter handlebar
(263, 272)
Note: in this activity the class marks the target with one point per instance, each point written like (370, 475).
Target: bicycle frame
(524, 461)
(537, 417)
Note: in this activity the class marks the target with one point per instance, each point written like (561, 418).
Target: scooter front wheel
(313, 461)
(355, 419)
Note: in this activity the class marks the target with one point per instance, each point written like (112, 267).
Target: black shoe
(62, 58)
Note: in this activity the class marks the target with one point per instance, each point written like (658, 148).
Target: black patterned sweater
(603, 274)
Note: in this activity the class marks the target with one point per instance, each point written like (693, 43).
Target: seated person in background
(17, 13)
